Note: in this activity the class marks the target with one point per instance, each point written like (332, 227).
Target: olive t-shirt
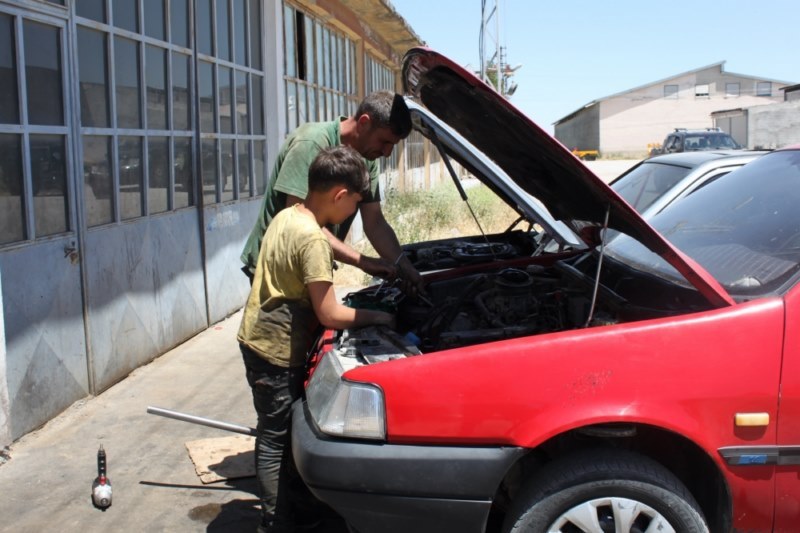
(290, 177)
(279, 321)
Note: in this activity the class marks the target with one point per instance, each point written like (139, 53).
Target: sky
(573, 52)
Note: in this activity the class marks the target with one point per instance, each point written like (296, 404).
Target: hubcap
(611, 515)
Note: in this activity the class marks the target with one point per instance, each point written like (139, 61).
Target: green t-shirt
(279, 321)
(290, 177)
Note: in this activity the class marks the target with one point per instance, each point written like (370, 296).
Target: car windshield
(744, 230)
(647, 182)
(706, 141)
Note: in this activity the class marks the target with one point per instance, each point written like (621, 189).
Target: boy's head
(340, 174)
(383, 121)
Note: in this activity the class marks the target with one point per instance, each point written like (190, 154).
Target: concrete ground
(46, 483)
(610, 169)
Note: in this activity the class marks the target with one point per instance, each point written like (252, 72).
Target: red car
(568, 384)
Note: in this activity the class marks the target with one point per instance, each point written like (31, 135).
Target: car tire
(604, 490)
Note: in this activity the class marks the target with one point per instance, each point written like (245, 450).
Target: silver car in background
(655, 183)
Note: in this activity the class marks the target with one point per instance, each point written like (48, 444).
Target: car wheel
(604, 491)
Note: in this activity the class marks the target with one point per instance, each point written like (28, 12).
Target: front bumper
(390, 488)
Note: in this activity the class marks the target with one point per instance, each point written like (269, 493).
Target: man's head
(340, 174)
(382, 120)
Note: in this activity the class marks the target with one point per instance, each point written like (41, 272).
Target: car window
(745, 229)
(647, 182)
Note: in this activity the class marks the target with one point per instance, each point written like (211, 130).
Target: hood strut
(599, 266)
(460, 189)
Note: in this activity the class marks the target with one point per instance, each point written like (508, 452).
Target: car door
(787, 478)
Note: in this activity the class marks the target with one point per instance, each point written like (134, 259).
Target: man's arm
(373, 266)
(384, 240)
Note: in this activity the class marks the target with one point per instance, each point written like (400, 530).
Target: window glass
(126, 64)
(125, 16)
(206, 88)
(49, 180)
(154, 19)
(259, 167)
(225, 96)
(93, 75)
(184, 186)
(309, 48)
(255, 34)
(156, 80)
(671, 91)
(320, 60)
(92, 9)
(9, 105)
(302, 112)
(291, 106)
(242, 103)
(97, 181)
(223, 33)
(701, 90)
(130, 177)
(181, 106)
(12, 214)
(764, 88)
(43, 74)
(208, 152)
(228, 160)
(326, 57)
(158, 174)
(240, 32)
(179, 22)
(258, 108)
(243, 159)
(290, 45)
(312, 104)
(731, 89)
(204, 27)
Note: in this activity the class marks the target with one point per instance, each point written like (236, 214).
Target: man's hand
(410, 280)
(380, 268)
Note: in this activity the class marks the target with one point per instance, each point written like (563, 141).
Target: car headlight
(344, 408)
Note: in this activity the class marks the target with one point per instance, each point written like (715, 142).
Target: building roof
(720, 64)
(384, 20)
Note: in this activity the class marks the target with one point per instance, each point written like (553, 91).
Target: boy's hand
(377, 267)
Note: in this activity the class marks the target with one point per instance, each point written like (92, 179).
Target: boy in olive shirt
(292, 293)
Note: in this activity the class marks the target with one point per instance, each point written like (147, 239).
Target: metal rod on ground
(244, 430)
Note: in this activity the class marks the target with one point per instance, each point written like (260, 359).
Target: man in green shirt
(380, 122)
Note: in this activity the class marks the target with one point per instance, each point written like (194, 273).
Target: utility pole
(494, 69)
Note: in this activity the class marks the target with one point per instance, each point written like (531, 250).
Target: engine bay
(505, 303)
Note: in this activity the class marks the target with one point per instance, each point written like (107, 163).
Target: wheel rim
(611, 515)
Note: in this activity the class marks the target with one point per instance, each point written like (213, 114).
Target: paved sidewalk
(47, 482)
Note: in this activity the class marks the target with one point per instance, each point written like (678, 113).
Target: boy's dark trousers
(274, 390)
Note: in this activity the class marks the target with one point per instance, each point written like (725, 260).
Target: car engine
(476, 308)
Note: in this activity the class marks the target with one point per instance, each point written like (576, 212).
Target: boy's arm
(332, 314)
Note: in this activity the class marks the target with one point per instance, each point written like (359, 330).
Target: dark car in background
(686, 140)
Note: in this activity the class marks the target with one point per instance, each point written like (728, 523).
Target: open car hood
(491, 175)
(536, 162)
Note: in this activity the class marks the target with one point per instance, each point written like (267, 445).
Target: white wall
(631, 120)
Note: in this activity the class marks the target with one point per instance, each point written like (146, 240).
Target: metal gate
(44, 326)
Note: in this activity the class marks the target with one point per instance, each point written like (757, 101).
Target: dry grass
(436, 214)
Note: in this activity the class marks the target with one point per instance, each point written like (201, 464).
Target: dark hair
(387, 110)
(338, 165)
